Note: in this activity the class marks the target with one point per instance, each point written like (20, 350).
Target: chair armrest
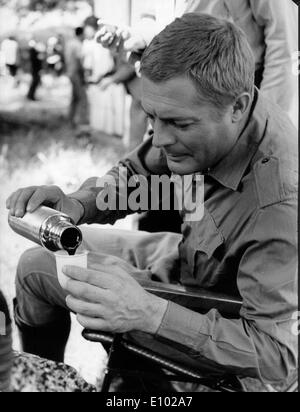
(196, 299)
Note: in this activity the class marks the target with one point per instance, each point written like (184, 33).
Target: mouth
(176, 157)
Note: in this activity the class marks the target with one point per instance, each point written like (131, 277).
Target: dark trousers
(35, 82)
(78, 113)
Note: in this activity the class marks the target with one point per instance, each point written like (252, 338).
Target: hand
(132, 41)
(106, 83)
(110, 300)
(109, 37)
(30, 198)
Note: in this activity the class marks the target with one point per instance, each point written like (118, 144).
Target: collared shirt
(10, 49)
(245, 246)
(271, 27)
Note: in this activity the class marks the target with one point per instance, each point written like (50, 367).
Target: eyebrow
(173, 118)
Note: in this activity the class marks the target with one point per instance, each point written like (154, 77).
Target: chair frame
(176, 372)
(195, 299)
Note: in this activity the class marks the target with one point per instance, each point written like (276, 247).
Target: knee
(33, 261)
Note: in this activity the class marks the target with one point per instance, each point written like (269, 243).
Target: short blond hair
(213, 52)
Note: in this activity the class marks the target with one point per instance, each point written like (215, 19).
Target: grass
(38, 148)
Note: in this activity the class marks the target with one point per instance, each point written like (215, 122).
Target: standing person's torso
(239, 12)
(10, 51)
(97, 60)
(73, 59)
(35, 60)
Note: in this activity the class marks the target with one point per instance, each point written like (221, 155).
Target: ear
(240, 107)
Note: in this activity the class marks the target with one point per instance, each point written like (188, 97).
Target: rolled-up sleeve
(145, 161)
(260, 344)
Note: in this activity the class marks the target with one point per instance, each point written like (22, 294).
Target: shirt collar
(230, 171)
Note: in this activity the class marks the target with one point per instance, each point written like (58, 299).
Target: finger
(8, 201)
(92, 277)
(22, 201)
(95, 324)
(101, 32)
(12, 200)
(129, 45)
(107, 39)
(51, 194)
(36, 200)
(125, 34)
(87, 292)
(80, 307)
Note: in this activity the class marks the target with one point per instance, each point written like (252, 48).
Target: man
(78, 114)
(10, 50)
(36, 65)
(208, 119)
(271, 29)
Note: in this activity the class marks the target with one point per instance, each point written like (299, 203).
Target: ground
(37, 147)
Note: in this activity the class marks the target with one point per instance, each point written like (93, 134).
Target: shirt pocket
(202, 252)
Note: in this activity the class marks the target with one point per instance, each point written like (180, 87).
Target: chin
(182, 168)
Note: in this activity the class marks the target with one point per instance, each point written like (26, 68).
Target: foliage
(40, 5)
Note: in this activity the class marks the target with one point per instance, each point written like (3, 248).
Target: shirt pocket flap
(208, 237)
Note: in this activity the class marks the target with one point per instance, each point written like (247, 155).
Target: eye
(181, 126)
(150, 117)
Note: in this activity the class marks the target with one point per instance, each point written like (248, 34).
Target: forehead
(177, 96)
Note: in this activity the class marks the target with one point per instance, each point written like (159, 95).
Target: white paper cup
(63, 259)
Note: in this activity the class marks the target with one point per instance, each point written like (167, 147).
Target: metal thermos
(49, 228)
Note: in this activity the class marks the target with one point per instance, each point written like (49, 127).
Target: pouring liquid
(71, 252)
(70, 241)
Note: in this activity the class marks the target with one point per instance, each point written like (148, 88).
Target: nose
(162, 135)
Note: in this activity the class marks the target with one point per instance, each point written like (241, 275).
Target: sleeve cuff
(89, 205)
(183, 326)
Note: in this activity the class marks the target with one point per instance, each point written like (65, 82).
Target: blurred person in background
(78, 114)
(36, 64)
(55, 55)
(10, 51)
(125, 73)
(97, 61)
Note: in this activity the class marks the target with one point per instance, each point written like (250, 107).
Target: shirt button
(265, 161)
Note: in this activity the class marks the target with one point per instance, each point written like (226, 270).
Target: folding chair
(198, 300)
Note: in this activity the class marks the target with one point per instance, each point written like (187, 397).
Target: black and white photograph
(149, 198)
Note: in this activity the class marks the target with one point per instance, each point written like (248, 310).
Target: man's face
(189, 130)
